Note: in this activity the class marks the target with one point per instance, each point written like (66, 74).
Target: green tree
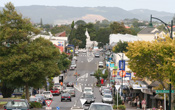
(80, 22)
(91, 31)
(119, 28)
(120, 47)
(80, 35)
(103, 36)
(63, 61)
(24, 62)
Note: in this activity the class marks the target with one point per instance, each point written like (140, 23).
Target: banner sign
(121, 64)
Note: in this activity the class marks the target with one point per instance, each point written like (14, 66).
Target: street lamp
(171, 33)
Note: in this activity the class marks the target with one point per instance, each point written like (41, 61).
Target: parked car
(48, 95)
(97, 55)
(100, 106)
(88, 90)
(66, 97)
(42, 98)
(72, 67)
(58, 86)
(75, 58)
(89, 98)
(66, 89)
(70, 84)
(34, 99)
(100, 64)
(106, 91)
(102, 88)
(72, 92)
(107, 98)
(19, 104)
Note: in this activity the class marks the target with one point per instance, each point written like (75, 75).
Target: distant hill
(65, 14)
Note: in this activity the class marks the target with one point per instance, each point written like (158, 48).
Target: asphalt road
(86, 64)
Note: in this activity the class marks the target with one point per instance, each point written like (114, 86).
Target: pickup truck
(55, 92)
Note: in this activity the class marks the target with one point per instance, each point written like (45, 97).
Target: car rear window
(16, 104)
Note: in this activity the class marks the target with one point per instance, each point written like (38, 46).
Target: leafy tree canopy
(120, 47)
(153, 60)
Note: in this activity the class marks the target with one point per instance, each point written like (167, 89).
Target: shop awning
(147, 91)
(138, 84)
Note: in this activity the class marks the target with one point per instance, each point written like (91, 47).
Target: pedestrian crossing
(89, 85)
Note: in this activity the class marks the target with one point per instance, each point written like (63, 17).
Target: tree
(103, 36)
(153, 60)
(80, 22)
(119, 28)
(120, 47)
(24, 62)
(63, 61)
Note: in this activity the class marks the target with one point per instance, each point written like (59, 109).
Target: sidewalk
(129, 107)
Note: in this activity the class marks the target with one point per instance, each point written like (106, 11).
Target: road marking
(78, 87)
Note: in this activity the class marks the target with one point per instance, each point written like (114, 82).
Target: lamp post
(171, 36)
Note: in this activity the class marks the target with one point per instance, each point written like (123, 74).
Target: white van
(88, 90)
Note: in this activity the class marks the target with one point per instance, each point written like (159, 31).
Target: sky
(158, 5)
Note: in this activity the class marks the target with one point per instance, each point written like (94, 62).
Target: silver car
(100, 106)
(107, 98)
(106, 91)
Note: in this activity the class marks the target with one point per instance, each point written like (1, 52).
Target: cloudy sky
(158, 5)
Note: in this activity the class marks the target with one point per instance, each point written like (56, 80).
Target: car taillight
(62, 97)
(5, 109)
(69, 97)
(35, 101)
(50, 95)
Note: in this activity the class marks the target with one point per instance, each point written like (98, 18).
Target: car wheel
(70, 100)
(61, 100)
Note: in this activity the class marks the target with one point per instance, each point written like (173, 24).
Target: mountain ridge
(66, 14)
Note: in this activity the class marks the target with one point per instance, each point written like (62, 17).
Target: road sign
(58, 108)
(82, 101)
(48, 108)
(164, 91)
(48, 102)
(122, 73)
(121, 64)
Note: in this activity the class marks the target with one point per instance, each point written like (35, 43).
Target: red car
(55, 92)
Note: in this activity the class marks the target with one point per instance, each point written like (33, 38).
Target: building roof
(149, 30)
(114, 38)
(61, 34)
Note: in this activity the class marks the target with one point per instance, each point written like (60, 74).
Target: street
(86, 64)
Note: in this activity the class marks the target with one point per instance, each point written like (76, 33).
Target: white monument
(89, 43)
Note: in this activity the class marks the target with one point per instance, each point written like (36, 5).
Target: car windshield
(88, 96)
(88, 90)
(16, 104)
(71, 91)
(100, 107)
(46, 93)
(33, 99)
(66, 94)
(108, 96)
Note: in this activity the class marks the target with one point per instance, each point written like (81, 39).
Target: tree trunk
(6, 90)
(27, 91)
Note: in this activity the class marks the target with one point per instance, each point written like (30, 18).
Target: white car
(84, 51)
(100, 106)
(76, 52)
(75, 58)
(100, 64)
(97, 55)
(48, 95)
(88, 90)
(106, 91)
(107, 98)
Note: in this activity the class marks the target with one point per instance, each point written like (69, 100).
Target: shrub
(121, 107)
(35, 105)
(119, 99)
